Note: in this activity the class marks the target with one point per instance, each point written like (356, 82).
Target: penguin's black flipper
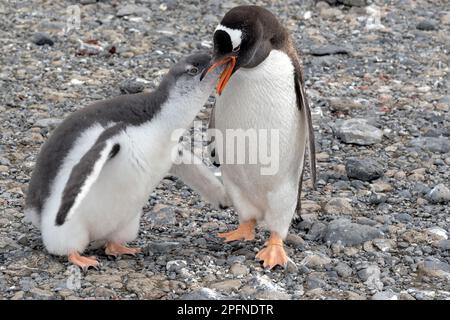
(303, 105)
(86, 172)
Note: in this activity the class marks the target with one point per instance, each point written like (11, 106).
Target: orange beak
(226, 74)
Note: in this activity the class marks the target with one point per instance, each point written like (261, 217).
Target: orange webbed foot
(83, 262)
(116, 249)
(245, 231)
(273, 254)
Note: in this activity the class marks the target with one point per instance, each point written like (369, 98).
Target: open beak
(230, 62)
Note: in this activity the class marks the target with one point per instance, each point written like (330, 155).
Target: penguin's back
(80, 131)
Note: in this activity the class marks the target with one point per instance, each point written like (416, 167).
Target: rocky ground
(377, 226)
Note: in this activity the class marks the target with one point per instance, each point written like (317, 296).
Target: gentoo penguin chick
(262, 88)
(96, 171)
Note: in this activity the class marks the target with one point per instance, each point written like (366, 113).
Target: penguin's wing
(86, 171)
(303, 105)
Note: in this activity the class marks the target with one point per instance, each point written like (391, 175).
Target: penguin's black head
(244, 38)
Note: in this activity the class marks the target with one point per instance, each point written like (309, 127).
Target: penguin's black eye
(237, 48)
(192, 71)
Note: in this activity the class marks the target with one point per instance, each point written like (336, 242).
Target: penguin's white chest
(263, 99)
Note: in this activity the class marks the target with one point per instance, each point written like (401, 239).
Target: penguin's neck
(176, 114)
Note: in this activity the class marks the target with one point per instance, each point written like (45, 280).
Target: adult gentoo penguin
(98, 168)
(262, 87)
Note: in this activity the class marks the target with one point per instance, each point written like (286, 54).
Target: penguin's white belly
(263, 98)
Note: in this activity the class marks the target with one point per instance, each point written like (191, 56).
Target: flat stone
(349, 234)
(358, 131)
(434, 268)
(227, 285)
(329, 50)
(338, 206)
(131, 9)
(433, 144)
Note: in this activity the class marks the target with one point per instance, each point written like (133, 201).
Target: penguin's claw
(245, 231)
(115, 249)
(273, 254)
(84, 262)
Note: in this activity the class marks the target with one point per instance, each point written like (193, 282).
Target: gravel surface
(380, 92)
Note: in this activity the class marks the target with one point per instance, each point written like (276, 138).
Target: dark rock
(130, 86)
(343, 270)
(329, 50)
(364, 169)
(349, 234)
(317, 231)
(42, 38)
(427, 25)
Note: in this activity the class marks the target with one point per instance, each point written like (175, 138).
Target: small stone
(381, 187)
(291, 267)
(148, 288)
(203, 294)
(343, 104)
(227, 285)
(385, 295)
(313, 282)
(175, 265)
(437, 233)
(295, 240)
(162, 247)
(238, 269)
(337, 206)
(41, 294)
(42, 38)
(343, 270)
(309, 206)
(371, 277)
(329, 49)
(348, 233)
(4, 168)
(358, 131)
(383, 245)
(355, 3)
(364, 169)
(162, 215)
(131, 86)
(443, 244)
(433, 144)
(445, 19)
(427, 25)
(439, 194)
(314, 260)
(433, 267)
(131, 9)
(50, 123)
(317, 231)
(23, 240)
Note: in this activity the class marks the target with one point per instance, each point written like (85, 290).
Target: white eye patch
(235, 35)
